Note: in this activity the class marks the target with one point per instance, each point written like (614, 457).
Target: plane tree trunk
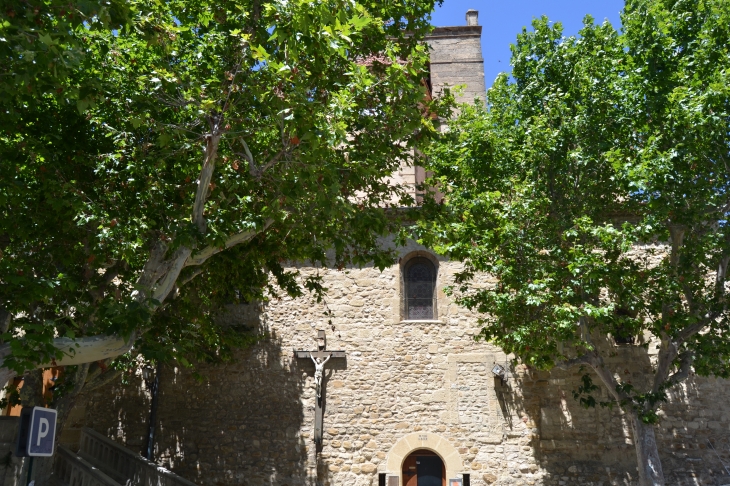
(647, 452)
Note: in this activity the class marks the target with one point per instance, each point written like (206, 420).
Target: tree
(41, 47)
(594, 187)
(192, 150)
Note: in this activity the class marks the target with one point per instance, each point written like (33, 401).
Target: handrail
(135, 468)
(72, 470)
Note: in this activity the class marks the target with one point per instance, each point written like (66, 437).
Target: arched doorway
(422, 441)
(423, 468)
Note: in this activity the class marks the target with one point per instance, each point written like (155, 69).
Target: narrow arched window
(420, 289)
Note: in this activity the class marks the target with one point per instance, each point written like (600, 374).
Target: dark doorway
(428, 469)
(424, 468)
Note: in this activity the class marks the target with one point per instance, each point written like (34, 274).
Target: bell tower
(456, 58)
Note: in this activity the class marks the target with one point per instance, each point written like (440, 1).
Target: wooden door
(423, 468)
(429, 470)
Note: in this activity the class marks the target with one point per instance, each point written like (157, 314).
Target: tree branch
(154, 268)
(585, 330)
(690, 331)
(249, 158)
(212, 140)
(102, 379)
(257, 172)
(595, 361)
(178, 260)
(685, 366)
(188, 278)
(587, 359)
(667, 352)
(720, 278)
(677, 234)
(79, 379)
(97, 368)
(89, 349)
(609, 380)
(203, 255)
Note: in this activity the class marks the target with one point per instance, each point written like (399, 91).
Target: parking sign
(37, 435)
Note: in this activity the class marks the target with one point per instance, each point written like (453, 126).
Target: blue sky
(502, 21)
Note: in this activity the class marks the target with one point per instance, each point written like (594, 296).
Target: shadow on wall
(119, 411)
(251, 422)
(590, 446)
(693, 437)
(595, 446)
(240, 425)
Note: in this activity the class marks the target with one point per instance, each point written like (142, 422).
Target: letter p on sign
(43, 430)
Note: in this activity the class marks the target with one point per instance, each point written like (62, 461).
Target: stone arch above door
(433, 442)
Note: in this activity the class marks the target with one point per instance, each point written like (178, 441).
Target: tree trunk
(647, 453)
(31, 393)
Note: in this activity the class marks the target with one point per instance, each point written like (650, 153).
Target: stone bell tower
(456, 58)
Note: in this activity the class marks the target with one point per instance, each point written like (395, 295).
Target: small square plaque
(393, 481)
(455, 482)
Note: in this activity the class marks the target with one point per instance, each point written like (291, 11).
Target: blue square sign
(42, 435)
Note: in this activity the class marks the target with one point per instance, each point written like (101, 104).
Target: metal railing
(72, 470)
(125, 466)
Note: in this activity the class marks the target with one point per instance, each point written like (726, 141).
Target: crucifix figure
(319, 357)
(318, 367)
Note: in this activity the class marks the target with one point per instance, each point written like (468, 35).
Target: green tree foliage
(40, 46)
(595, 187)
(161, 159)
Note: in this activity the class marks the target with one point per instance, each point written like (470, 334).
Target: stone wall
(456, 59)
(251, 422)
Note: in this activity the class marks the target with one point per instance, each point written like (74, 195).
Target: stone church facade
(414, 396)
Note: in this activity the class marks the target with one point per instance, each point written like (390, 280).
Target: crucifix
(320, 357)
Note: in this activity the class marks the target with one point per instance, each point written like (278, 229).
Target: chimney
(472, 17)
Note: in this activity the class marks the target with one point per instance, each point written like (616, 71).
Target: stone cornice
(456, 31)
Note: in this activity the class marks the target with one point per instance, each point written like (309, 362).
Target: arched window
(420, 289)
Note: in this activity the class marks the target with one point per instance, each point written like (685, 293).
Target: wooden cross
(320, 354)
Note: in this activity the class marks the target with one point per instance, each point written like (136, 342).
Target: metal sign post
(28, 482)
